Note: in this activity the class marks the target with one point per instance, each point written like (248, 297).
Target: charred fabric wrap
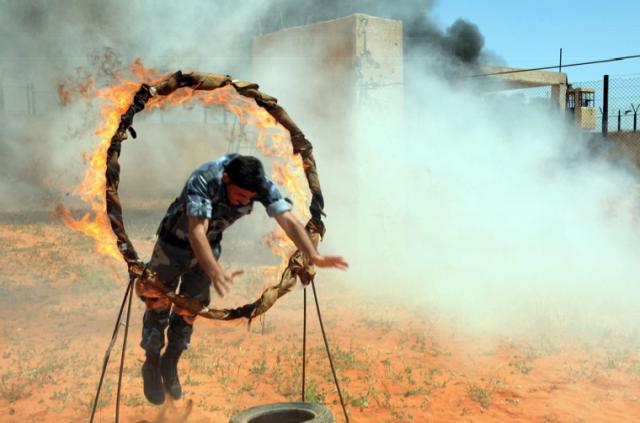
(147, 282)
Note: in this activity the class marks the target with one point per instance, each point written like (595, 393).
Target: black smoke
(462, 41)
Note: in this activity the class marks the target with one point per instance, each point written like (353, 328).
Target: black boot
(152, 380)
(169, 370)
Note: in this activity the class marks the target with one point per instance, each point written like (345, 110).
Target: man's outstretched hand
(330, 261)
(297, 233)
(223, 280)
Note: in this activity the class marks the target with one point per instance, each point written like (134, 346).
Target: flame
(272, 140)
(91, 190)
(81, 86)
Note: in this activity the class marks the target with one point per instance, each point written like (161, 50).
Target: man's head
(243, 178)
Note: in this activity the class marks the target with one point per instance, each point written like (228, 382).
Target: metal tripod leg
(326, 344)
(128, 295)
(124, 350)
(304, 342)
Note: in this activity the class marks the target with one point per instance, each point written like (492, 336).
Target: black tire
(285, 412)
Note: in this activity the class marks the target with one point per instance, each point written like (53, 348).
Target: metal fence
(624, 102)
(27, 98)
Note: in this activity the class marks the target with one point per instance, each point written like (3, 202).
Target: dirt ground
(59, 302)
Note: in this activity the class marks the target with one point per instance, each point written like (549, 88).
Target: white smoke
(493, 212)
(501, 214)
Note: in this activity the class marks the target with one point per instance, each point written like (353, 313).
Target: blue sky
(528, 33)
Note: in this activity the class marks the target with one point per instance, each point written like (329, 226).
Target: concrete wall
(322, 72)
(310, 70)
(530, 79)
(331, 77)
(378, 63)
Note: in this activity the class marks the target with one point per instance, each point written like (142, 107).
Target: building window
(571, 101)
(587, 99)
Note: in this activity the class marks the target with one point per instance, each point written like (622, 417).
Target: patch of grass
(397, 377)
(434, 371)
(235, 343)
(421, 344)
(209, 406)
(401, 415)
(105, 396)
(426, 402)
(586, 370)
(224, 379)
(381, 324)
(259, 367)
(480, 395)
(313, 393)
(61, 396)
(408, 372)
(523, 366)
(344, 359)
(616, 360)
(247, 387)
(134, 400)
(44, 373)
(435, 350)
(386, 403)
(512, 401)
(413, 391)
(361, 401)
(192, 382)
(285, 381)
(12, 391)
(201, 364)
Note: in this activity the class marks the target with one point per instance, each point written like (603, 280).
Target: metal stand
(304, 341)
(128, 295)
(326, 345)
(127, 300)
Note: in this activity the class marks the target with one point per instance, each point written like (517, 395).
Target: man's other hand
(330, 261)
(223, 280)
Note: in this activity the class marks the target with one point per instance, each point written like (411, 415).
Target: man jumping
(187, 250)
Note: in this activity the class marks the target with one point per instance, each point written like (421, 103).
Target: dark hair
(246, 172)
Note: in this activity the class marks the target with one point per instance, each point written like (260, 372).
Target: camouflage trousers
(179, 270)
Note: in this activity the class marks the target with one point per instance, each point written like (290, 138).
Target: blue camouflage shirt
(204, 195)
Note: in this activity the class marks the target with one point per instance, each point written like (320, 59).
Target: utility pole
(560, 66)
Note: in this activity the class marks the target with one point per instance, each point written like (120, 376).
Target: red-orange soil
(59, 302)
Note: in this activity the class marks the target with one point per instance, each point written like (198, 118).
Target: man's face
(236, 195)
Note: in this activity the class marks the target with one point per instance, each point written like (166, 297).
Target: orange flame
(272, 140)
(92, 188)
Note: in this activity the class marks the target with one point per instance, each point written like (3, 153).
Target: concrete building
(339, 80)
(328, 69)
(516, 79)
(578, 101)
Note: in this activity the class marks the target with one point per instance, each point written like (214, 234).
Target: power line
(613, 59)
